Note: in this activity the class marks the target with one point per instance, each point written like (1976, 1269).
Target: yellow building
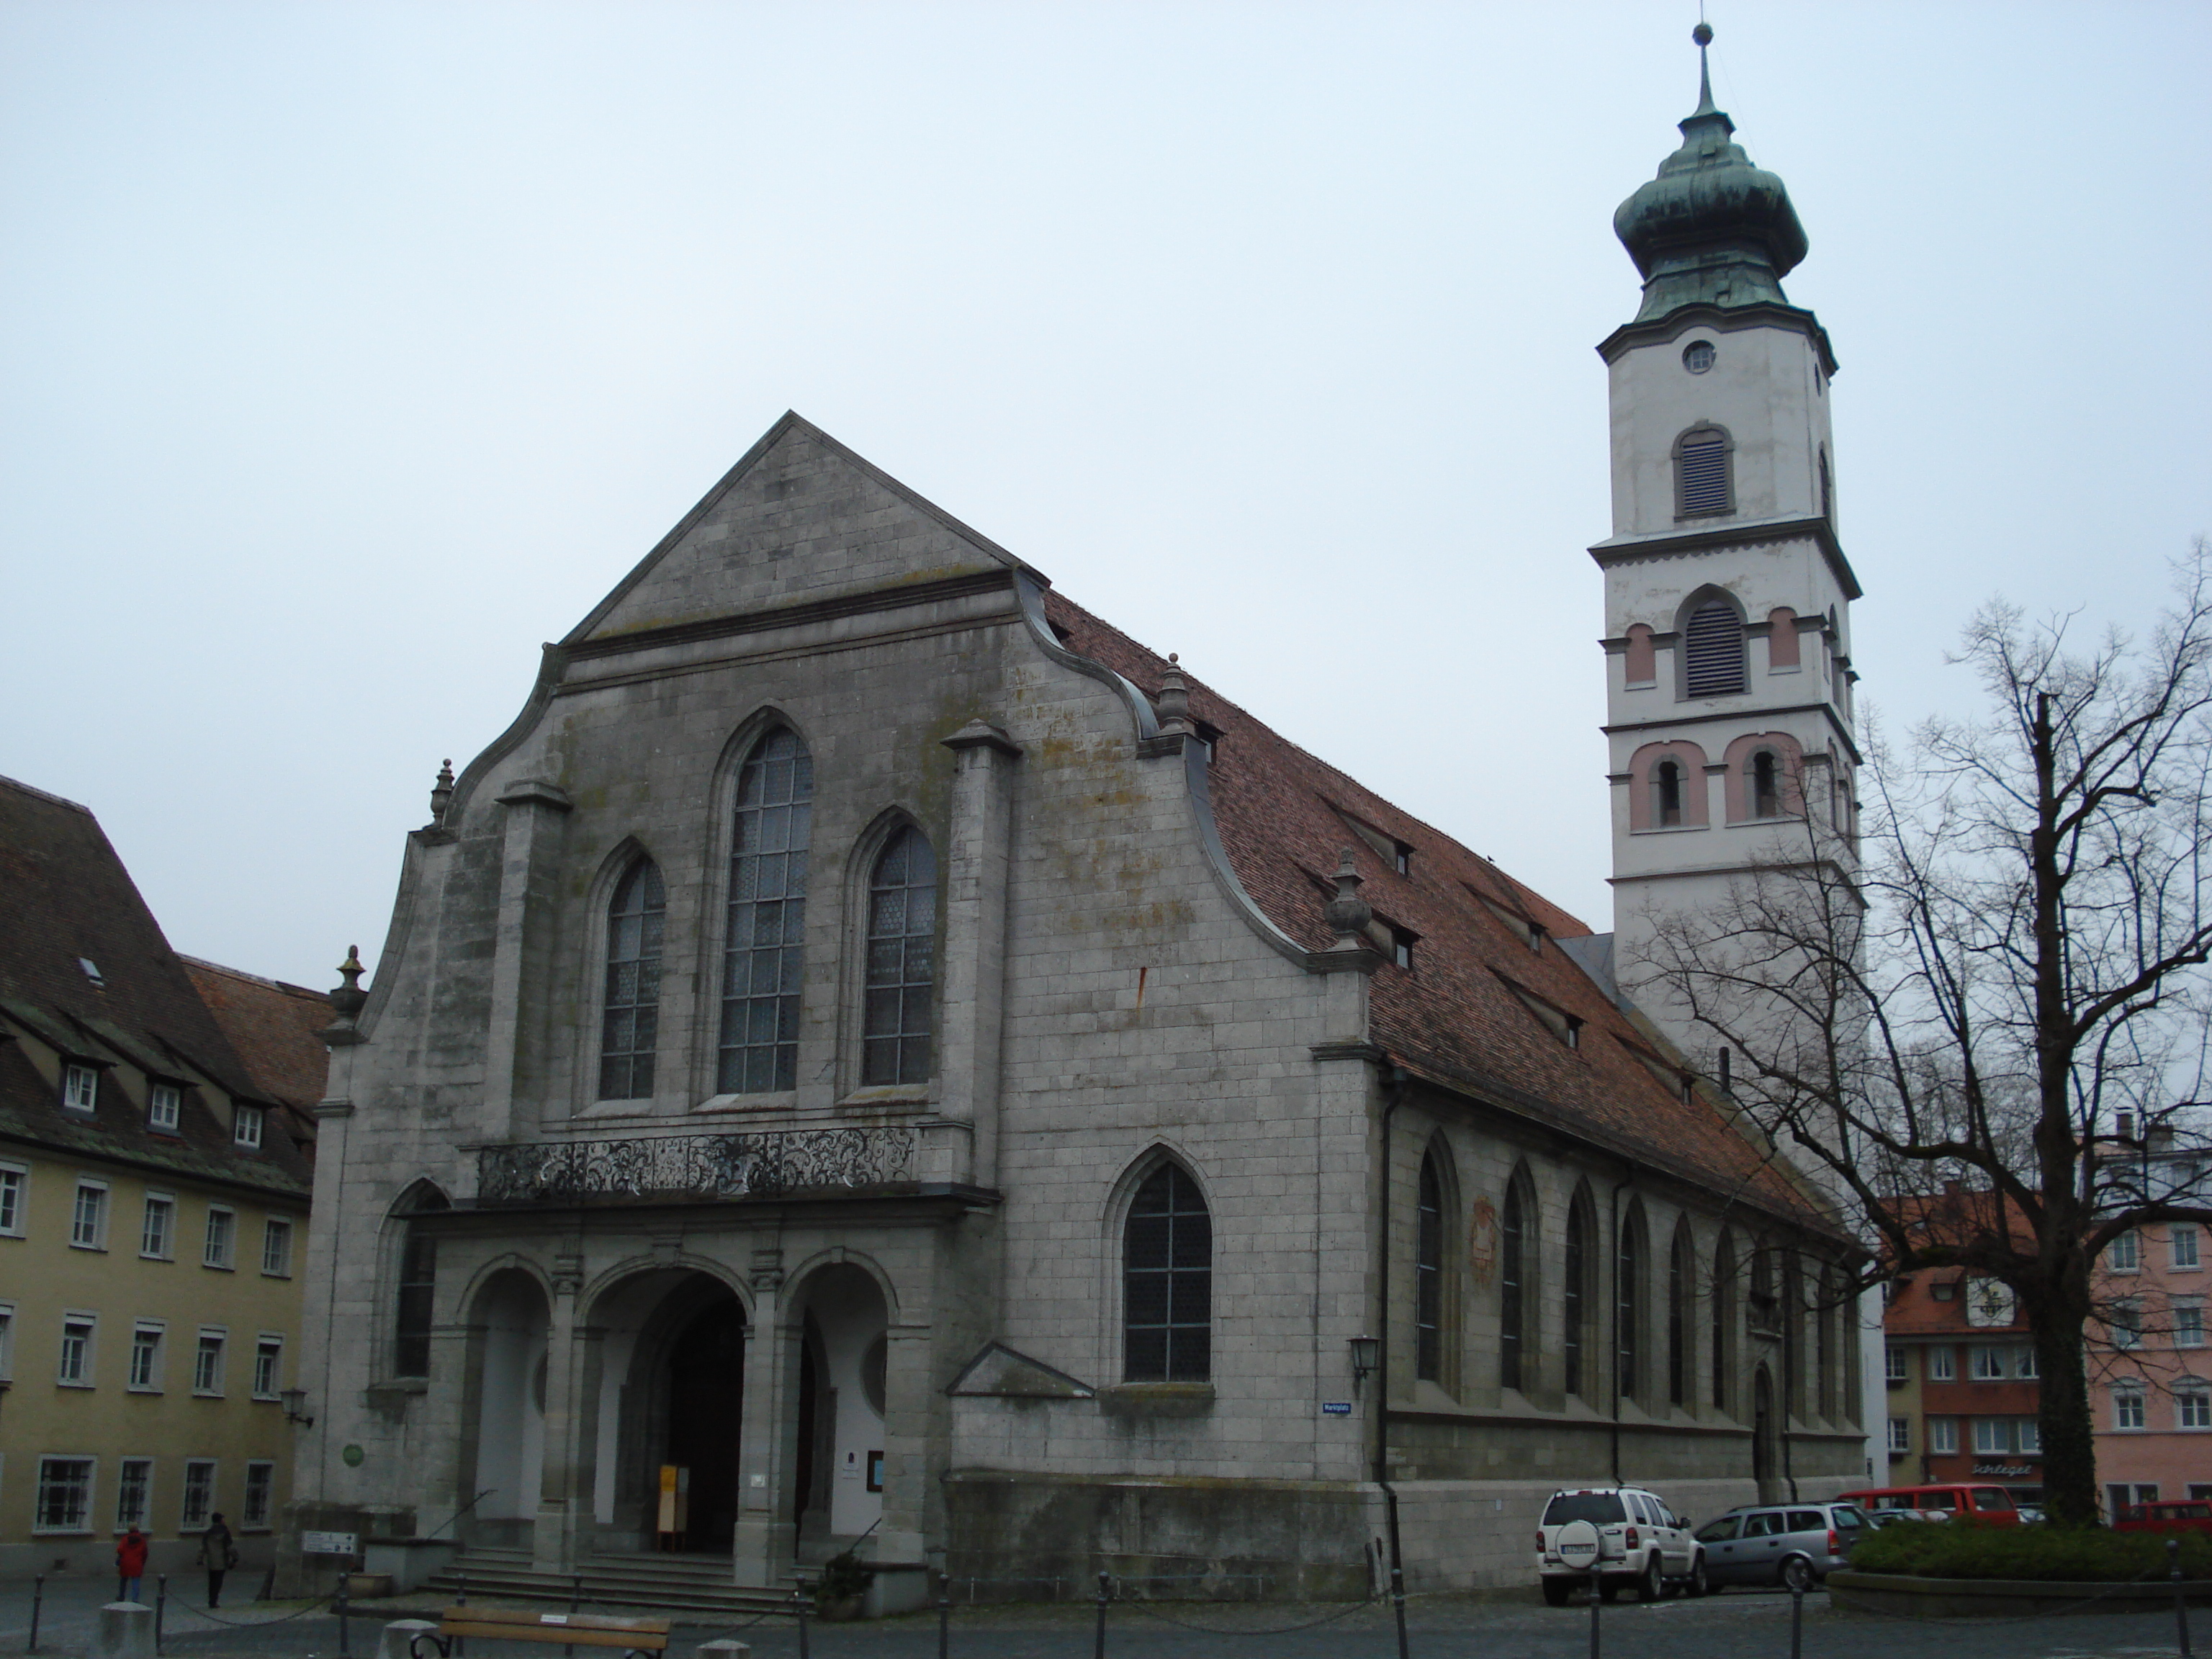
(153, 1217)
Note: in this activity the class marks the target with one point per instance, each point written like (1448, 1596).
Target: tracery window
(764, 946)
(1512, 1278)
(1724, 1319)
(1628, 1305)
(1167, 1281)
(1575, 1300)
(630, 1025)
(1681, 1271)
(901, 974)
(1429, 1275)
(418, 1291)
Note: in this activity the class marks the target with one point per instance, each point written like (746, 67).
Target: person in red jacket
(130, 1565)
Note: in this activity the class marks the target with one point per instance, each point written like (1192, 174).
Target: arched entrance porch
(506, 1410)
(840, 1409)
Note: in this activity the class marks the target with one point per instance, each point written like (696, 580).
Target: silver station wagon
(1794, 1545)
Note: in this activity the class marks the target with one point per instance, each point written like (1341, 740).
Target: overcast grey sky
(349, 352)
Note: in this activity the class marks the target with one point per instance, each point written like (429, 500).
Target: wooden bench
(583, 1630)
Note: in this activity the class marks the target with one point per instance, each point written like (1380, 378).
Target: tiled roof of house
(85, 968)
(276, 1029)
(1461, 1017)
(1955, 1216)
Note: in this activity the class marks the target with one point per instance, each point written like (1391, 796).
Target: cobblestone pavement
(1735, 1625)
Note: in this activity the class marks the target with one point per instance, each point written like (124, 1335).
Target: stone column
(535, 812)
(768, 1452)
(907, 1402)
(567, 1485)
(975, 969)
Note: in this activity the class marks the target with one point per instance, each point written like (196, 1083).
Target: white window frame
(187, 1519)
(101, 1194)
(225, 1260)
(1900, 1434)
(247, 1125)
(2124, 1324)
(15, 1197)
(2028, 1432)
(6, 1340)
(165, 1107)
(1993, 1436)
(143, 1517)
(80, 1087)
(1943, 1365)
(158, 1331)
(215, 1340)
(1896, 1364)
(274, 1228)
(39, 1525)
(269, 1354)
(2023, 1363)
(247, 1520)
(165, 1248)
(2188, 1322)
(1943, 1437)
(72, 1318)
(2181, 1245)
(1989, 1363)
(2127, 1402)
(2187, 1393)
(2123, 1255)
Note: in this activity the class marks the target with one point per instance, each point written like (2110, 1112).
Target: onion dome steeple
(1711, 229)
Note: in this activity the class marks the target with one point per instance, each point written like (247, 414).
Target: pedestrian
(218, 1555)
(130, 1565)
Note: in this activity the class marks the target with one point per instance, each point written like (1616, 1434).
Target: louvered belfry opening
(1712, 648)
(1702, 474)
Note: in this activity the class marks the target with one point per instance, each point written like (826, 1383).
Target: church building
(875, 1059)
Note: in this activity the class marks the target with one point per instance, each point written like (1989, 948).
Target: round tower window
(1698, 356)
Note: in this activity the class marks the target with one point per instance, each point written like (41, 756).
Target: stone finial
(1174, 701)
(442, 794)
(347, 1000)
(1348, 912)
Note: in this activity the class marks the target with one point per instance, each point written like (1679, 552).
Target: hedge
(1950, 1549)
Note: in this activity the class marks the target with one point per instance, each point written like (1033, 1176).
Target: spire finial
(1703, 35)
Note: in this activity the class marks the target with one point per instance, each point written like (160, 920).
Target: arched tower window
(1713, 650)
(1167, 1282)
(1703, 480)
(1628, 1304)
(1666, 791)
(1681, 1275)
(1765, 781)
(763, 951)
(1575, 1301)
(417, 1287)
(630, 1025)
(1429, 1275)
(1513, 1257)
(895, 1024)
(1827, 487)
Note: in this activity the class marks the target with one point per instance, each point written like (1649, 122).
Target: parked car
(1642, 1544)
(1795, 1544)
(1986, 1506)
(1878, 1519)
(2171, 1515)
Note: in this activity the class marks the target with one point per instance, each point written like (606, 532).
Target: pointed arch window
(1713, 650)
(764, 949)
(895, 1027)
(1666, 791)
(1429, 1275)
(1703, 477)
(417, 1283)
(630, 1021)
(1765, 781)
(1681, 1271)
(1724, 1320)
(1628, 1305)
(1575, 1301)
(1167, 1282)
(1513, 1255)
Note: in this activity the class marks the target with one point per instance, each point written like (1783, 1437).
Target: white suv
(1641, 1543)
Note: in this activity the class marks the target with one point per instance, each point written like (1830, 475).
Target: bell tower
(1727, 593)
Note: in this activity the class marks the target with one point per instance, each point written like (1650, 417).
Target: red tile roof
(1456, 1018)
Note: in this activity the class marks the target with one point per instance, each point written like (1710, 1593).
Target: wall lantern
(295, 1406)
(1366, 1355)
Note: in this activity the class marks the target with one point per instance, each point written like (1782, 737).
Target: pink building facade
(2151, 1374)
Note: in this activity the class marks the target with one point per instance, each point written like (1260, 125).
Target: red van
(2174, 1515)
(1987, 1506)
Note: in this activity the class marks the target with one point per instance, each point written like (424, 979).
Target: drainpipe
(1628, 1175)
(1395, 1077)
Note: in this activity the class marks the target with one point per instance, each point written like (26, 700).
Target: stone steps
(627, 1583)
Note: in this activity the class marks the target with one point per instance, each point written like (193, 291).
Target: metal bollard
(944, 1617)
(461, 1599)
(345, 1582)
(1597, 1642)
(799, 1600)
(38, 1600)
(160, 1607)
(1796, 1622)
(1098, 1641)
(575, 1600)
(2180, 1598)
(1398, 1604)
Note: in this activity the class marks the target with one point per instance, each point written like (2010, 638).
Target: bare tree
(1997, 985)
